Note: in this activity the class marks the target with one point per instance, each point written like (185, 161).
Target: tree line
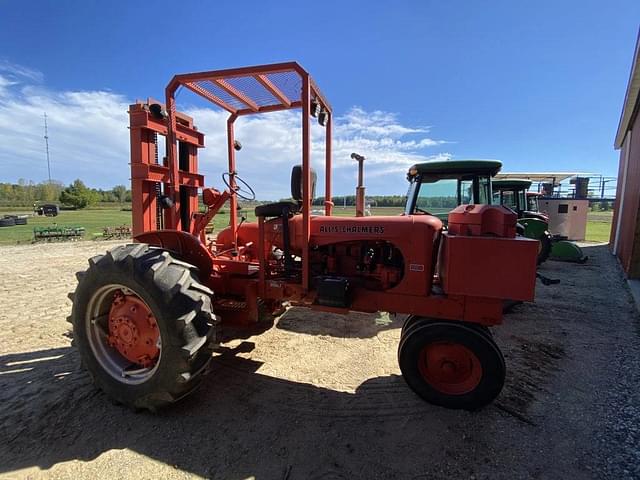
(373, 200)
(443, 201)
(77, 194)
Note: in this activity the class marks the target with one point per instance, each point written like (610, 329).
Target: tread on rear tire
(181, 306)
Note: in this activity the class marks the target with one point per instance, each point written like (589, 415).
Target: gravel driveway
(319, 396)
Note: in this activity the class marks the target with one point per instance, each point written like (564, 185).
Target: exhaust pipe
(360, 187)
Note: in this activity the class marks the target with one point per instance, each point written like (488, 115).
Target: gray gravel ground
(320, 397)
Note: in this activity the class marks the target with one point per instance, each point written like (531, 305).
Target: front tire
(451, 364)
(143, 325)
(544, 250)
(413, 320)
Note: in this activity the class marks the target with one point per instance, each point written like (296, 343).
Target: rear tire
(180, 307)
(451, 364)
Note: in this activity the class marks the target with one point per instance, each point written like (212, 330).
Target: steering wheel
(243, 190)
(423, 211)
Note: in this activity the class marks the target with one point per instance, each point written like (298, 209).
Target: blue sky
(538, 85)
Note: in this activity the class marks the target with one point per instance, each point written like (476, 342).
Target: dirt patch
(321, 396)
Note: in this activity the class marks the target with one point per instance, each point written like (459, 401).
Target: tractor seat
(275, 209)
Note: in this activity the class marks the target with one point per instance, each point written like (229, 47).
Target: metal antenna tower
(46, 144)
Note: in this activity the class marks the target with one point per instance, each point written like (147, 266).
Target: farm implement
(55, 233)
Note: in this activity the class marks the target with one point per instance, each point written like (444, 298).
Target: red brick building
(625, 231)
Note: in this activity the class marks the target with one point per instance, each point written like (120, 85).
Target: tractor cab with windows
(437, 187)
(533, 204)
(514, 193)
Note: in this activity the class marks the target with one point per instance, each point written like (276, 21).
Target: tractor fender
(539, 216)
(533, 227)
(184, 245)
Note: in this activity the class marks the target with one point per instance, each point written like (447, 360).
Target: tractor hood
(325, 230)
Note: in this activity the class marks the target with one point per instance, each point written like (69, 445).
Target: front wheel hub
(133, 330)
(450, 367)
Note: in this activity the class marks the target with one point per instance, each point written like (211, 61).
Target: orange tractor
(147, 316)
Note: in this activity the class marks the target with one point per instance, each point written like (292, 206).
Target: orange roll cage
(239, 91)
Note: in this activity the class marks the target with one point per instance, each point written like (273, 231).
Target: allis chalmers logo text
(379, 229)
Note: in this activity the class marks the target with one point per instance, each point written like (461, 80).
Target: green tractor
(513, 193)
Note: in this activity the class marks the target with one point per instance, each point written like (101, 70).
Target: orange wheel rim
(133, 330)
(449, 367)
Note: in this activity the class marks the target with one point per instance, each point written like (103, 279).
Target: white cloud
(5, 83)
(359, 122)
(88, 136)
(89, 139)
(272, 145)
(20, 71)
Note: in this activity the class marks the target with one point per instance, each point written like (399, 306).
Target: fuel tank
(481, 255)
(247, 233)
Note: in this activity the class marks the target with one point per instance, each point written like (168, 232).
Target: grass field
(599, 226)
(94, 221)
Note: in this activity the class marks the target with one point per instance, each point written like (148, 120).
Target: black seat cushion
(275, 209)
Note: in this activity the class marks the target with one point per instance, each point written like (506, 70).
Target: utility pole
(46, 144)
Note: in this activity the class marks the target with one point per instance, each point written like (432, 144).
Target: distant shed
(625, 231)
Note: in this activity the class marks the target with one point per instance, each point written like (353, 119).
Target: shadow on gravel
(242, 423)
(238, 424)
(353, 325)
